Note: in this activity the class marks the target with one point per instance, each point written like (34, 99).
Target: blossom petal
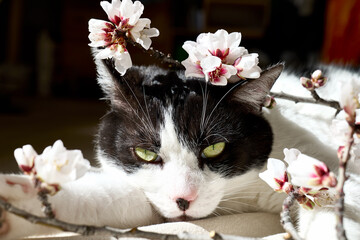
(308, 172)
(25, 158)
(275, 175)
(123, 62)
(192, 69)
(57, 165)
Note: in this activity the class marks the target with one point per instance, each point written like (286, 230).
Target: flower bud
(25, 157)
(276, 176)
(269, 102)
(307, 83)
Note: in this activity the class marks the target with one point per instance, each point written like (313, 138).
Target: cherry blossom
(341, 130)
(57, 165)
(350, 99)
(247, 66)
(276, 176)
(25, 157)
(308, 172)
(225, 47)
(125, 22)
(216, 72)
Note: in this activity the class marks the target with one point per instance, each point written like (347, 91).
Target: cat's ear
(119, 90)
(254, 91)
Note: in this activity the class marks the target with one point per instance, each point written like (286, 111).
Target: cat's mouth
(182, 218)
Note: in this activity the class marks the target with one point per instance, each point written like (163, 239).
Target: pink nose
(183, 200)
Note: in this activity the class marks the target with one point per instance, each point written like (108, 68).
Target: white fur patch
(179, 177)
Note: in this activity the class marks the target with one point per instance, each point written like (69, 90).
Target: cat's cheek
(164, 205)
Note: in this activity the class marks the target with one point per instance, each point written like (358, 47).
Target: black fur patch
(203, 115)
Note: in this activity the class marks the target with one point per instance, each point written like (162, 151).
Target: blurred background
(48, 88)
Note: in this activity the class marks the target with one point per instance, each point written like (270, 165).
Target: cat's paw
(19, 191)
(16, 187)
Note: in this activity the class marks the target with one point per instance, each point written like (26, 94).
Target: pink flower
(308, 172)
(276, 176)
(57, 165)
(216, 72)
(124, 22)
(54, 167)
(247, 66)
(350, 99)
(225, 47)
(25, 157)
(341, 131)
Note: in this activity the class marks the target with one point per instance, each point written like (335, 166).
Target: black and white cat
(172, 149)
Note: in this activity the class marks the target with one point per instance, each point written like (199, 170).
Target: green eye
(146, 155)
(213, 150)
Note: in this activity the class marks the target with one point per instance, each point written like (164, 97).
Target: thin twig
(109, 231)
(339, 206)
(315, 100)
(162, 57)
(286, 218)
(47, 209)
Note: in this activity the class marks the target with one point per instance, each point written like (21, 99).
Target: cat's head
(180, 140)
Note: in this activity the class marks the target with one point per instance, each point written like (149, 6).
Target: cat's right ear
(254, 91)
(119, 90)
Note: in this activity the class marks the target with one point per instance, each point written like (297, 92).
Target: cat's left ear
(254, 91)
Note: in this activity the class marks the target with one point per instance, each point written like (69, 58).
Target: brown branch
(47, 209)
(315, 100)
(162, 57)
(285, 215)
(339, 206)
(109, 231)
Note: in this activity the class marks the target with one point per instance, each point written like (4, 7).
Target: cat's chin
(182, 218)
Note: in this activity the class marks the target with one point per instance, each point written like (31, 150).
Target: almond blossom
(125, 22)
(308, 172)
(225, 47)
(216, 72)
(247, 66)
(350, 99)
(305, 178)
(341, 131)
(25, 158)
(55, 166)
(276, 176)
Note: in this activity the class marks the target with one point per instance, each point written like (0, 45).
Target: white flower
(350, 99)
(223, 46)
(247, 66)
(25, 157)
(216, 72)
(308, 172)
(341, 130)
(125, 23)
(276, 176)
(57, 165)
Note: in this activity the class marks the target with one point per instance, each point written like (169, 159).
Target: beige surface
(246, 224)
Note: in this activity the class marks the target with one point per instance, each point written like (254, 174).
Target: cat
(174, 149)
